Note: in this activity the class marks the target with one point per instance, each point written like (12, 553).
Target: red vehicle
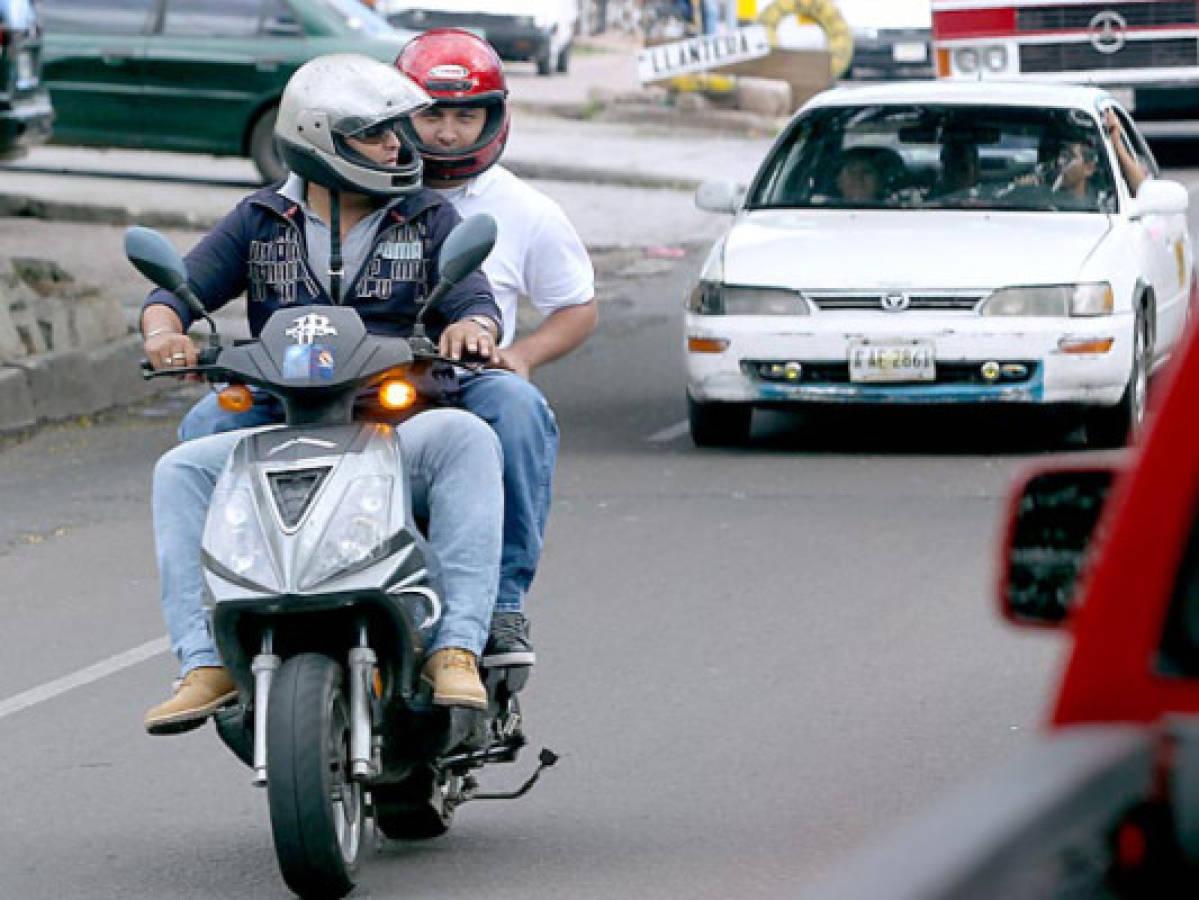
(1146, 51)
(1105, 803)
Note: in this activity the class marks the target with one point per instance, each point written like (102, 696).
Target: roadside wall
(66, 350)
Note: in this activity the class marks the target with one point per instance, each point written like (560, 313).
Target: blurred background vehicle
(192, 75)
(1145, 52)
(538, 31)
(25, 111)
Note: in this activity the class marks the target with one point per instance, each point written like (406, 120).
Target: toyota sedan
(943, 243)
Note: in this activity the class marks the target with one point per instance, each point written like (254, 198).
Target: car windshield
(359, 16)
(939, 156)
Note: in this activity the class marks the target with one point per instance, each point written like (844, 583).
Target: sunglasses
(377, 134)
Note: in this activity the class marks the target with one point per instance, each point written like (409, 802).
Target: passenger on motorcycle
(538, 255)
(355, 195)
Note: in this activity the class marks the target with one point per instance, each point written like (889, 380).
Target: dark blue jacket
(258, 249)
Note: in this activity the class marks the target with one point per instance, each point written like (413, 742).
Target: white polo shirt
(537, 253)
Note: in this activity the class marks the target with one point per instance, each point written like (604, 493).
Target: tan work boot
(454, 675)
(201, 693)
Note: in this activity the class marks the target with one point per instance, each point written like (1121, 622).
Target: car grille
(420, 19)
(818, 373)
(1081, 56)
(917, 300)
(1137, 15)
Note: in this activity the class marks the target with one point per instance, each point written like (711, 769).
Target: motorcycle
(323, 592)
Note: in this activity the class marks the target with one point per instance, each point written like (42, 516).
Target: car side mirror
(720, 196)
(1159, 197)
(1051, 531)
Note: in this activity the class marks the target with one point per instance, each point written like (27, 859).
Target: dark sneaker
(508, 644)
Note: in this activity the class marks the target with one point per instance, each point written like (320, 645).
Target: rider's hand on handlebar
(170, 350)
(468, 337)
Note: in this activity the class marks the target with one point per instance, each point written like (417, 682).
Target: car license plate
(895, 361)
(24, 69)
(909, 53)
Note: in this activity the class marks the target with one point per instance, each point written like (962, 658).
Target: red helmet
(456, 68)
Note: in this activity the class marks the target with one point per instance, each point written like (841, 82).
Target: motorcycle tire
(316, 808)
(415, 809)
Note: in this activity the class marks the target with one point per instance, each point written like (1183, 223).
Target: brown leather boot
(201, 693)
(454, 674)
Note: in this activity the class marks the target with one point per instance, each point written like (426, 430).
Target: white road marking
(102, 669)
(676, 430)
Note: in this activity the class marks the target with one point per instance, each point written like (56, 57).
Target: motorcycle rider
(538, 254)
(354, 194)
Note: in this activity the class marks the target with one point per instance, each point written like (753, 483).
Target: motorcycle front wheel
(316, 808)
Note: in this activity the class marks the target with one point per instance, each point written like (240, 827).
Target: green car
(202, 76)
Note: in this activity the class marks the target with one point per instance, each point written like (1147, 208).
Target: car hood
(833, 250)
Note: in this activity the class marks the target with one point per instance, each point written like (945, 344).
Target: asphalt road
(751, 661)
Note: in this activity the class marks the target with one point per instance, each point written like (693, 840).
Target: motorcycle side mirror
(155, 257)
(466, 247)
(1051, 532)
(463, 251)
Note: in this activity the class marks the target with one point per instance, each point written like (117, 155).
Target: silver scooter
(324, 592)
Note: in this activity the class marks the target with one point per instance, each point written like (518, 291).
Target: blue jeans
(455, 469)
(528, 433)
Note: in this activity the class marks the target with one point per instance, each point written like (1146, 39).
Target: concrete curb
(62, 385)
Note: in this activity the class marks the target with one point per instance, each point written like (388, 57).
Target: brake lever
(148, 371)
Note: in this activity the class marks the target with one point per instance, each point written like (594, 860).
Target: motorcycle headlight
(234, 537)
(356, 533)
(715, 299)
(1094, 299)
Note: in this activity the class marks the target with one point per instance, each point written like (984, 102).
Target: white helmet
(333, 97)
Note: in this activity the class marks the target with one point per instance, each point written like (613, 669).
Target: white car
(942, 243)
(541, 31)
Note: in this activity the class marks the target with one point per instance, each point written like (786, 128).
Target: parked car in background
(193, 75)
(891, 53)
(25, 111)
(540, 31)
(942, 243)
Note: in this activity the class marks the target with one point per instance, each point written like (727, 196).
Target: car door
(1165, 249)
(208, 69)
(91, 53)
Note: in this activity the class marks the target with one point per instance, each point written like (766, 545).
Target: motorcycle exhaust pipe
(263, 667)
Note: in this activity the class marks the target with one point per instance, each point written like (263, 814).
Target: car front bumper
(820, 344)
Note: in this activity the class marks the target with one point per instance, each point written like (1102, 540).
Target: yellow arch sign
(825, 14)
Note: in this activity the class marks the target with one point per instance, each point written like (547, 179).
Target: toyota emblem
(895, 302)
(1108, 31)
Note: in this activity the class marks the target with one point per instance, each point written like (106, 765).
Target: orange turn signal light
(1085, 345)
(707, 345)
(396, 394)
(235, 399)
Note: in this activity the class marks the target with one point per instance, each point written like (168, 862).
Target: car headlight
(965, 59)
(356, 533)
(234, 537)
(711, 298)
(1092, 299)
(995, 58)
